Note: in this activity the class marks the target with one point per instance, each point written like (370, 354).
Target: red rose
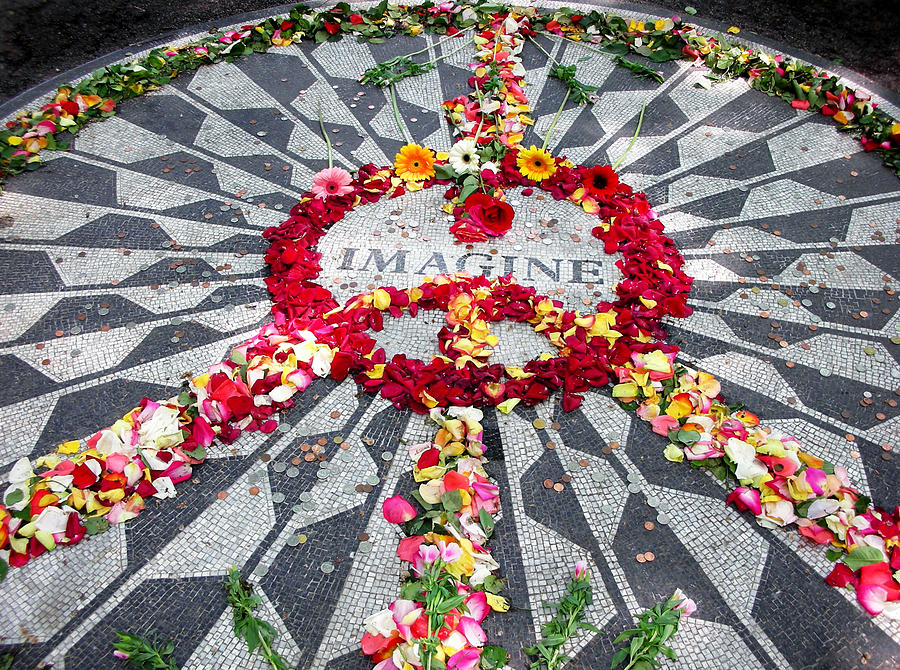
(492, 215)
(356, 19)
(332, 28)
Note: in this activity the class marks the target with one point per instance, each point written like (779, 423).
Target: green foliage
(146, 653)
(565, 625)
(258, 634)
(580, 93)
(647, 641)
(394, 70)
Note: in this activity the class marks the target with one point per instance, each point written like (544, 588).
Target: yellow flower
(414, 163)
(535, 164)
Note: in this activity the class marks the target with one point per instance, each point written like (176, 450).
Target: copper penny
(583, 462)
(309, 458)
(221, 495)
(304, 447)
(322, 441)
(254, 490)
(296, 460)
(649, 525)
(640, 558)
(551, 445)
(565, 479)
(345, 445)
(362, 537)
(558, 487)
(548, 483)
(614, 445)
(606, 450)
(335, 414)
(649, 556)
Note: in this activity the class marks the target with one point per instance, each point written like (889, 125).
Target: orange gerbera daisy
(414, 163)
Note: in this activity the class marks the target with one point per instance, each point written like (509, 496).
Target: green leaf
(14, 497)
(450, 603)
(863, 555)
(452, 501)
(411, 590)
(493, 584)
(95, 525)
(618, 658)
(862, 504)
(493, 656)
(4, 568)
(833, 554)
(467, 190)
(486, 521)
(199, 453)
(445, 171)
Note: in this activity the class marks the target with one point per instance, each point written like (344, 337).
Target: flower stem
(403, 130)
(436, 44)
(325, 135)
(633, 139)
(555, 119)
(537, 44)
(452, 53)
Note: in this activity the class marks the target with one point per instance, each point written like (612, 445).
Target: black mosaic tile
(164, 606)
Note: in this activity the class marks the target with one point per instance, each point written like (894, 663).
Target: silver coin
(278, 497)
(278, 466)
(292, 472)
(327, 567)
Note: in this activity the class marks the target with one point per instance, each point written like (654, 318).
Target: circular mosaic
(135, 261)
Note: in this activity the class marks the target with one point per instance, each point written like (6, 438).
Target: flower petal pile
(777, 479)
(453, 582)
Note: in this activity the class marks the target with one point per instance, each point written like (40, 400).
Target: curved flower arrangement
(156, 445)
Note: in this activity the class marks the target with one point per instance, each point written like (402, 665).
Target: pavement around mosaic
(129, 264)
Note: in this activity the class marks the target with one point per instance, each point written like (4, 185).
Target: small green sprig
(647, 641)
(400, 67)
(565, 625)
(258, 634)
(144, 653)
(639, 70)
(581, 93)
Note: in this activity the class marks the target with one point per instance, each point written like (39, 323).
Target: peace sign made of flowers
(156, 445)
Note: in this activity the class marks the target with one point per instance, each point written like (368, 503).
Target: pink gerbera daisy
(332, 181)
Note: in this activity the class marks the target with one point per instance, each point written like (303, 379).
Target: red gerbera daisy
(600, 181)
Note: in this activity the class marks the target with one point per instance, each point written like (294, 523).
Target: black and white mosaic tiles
(135, 260)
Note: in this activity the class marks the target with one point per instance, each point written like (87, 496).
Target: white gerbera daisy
(463, 158)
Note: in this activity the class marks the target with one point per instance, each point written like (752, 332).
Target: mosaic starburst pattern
(135, 261)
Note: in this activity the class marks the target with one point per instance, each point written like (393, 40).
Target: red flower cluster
(480, 217)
